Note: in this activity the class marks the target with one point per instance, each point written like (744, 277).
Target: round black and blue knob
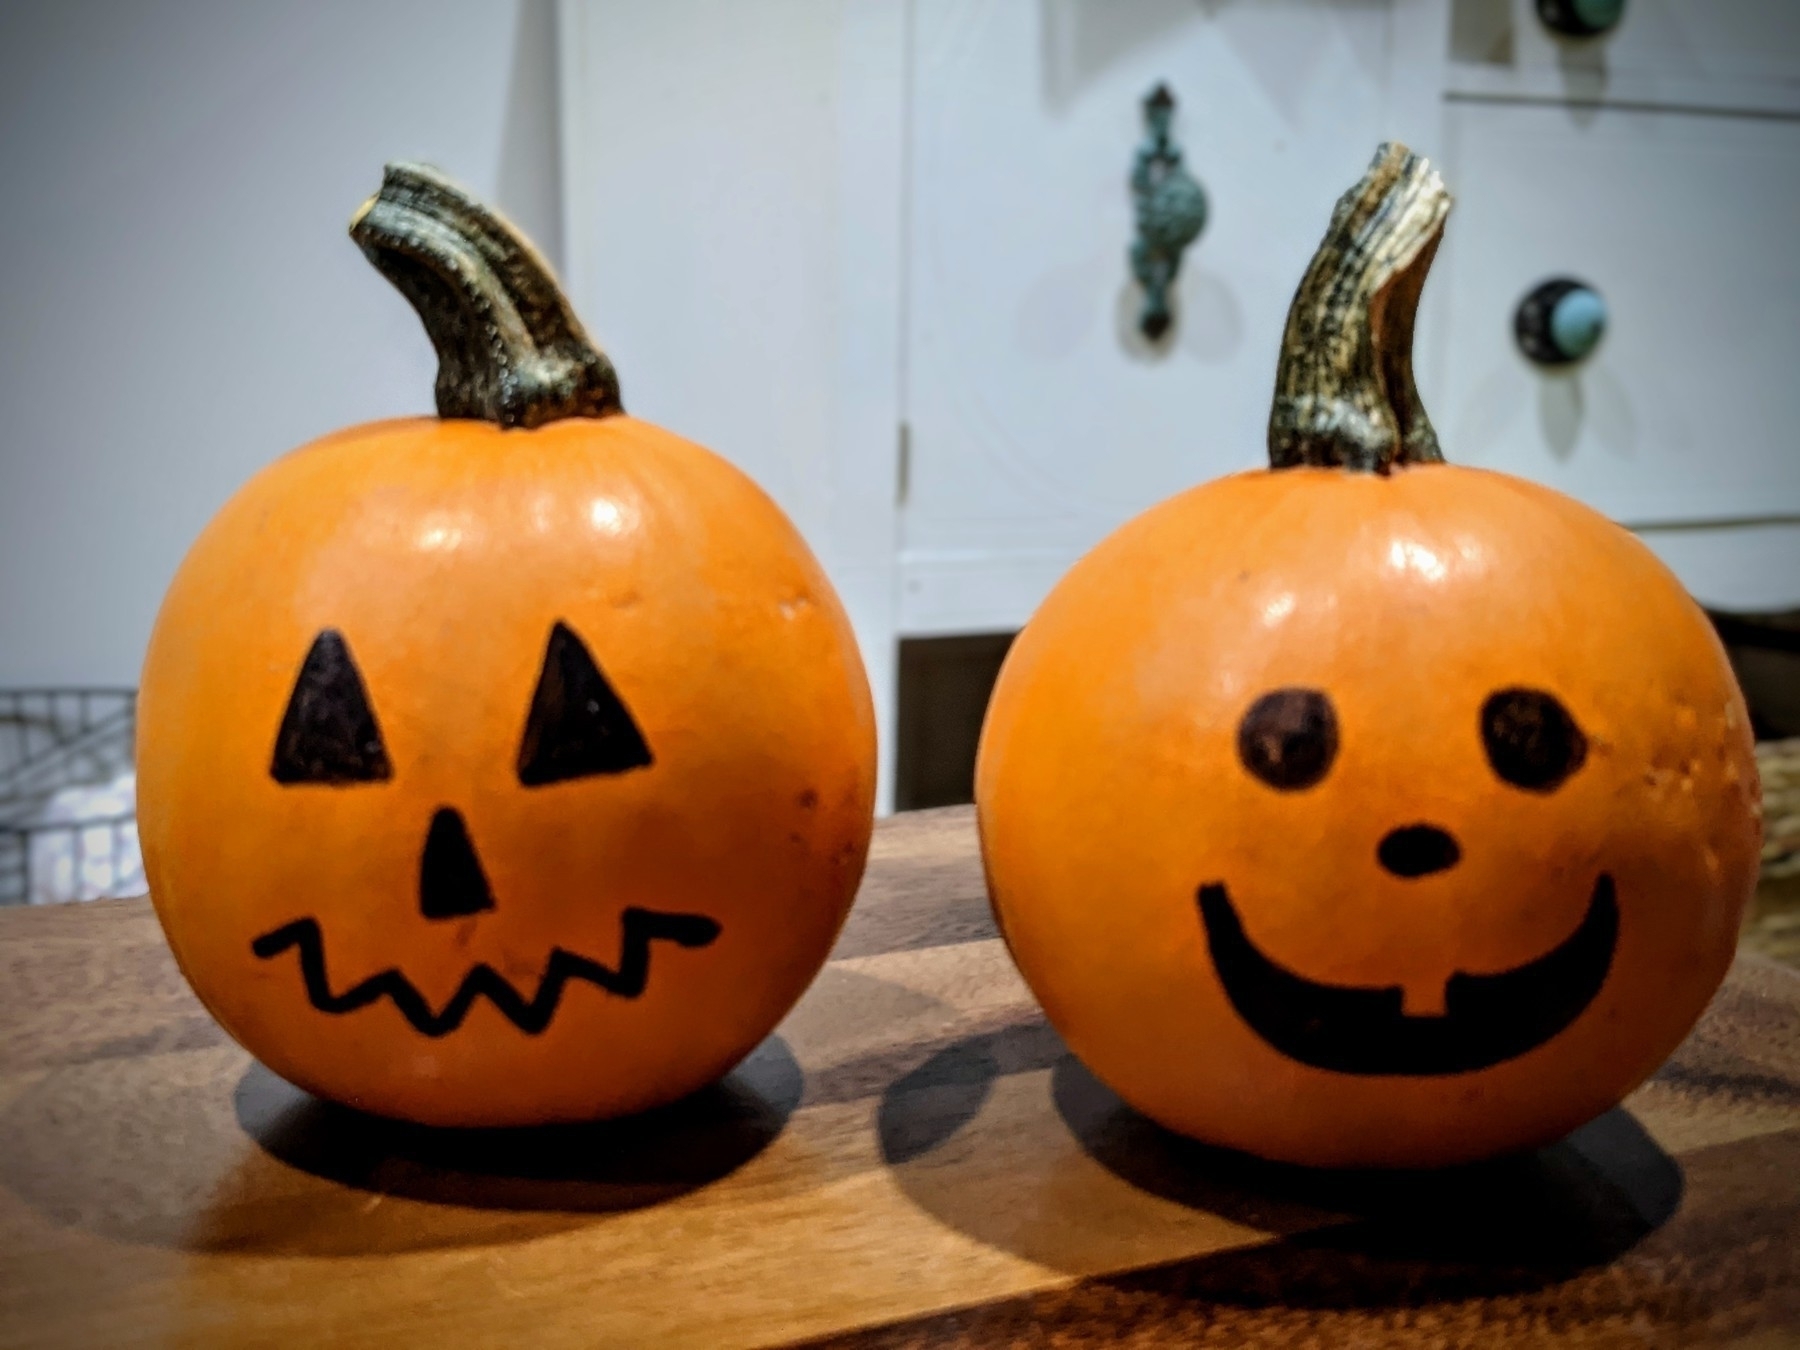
(1560, 321)
(1581, 18)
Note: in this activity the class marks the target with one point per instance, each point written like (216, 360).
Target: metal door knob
(1170, 208)
(1580, 18)
(1560, 321)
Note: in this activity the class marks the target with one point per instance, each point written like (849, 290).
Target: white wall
(735, 174)
(179, 302)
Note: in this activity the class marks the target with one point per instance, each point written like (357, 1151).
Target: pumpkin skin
(445, 554)
(1115, 796)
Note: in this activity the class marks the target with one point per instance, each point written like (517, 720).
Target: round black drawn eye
(1530, 738)
(1289, 738)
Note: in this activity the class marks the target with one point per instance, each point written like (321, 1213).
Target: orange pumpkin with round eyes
(1369, 811)
(506, 767)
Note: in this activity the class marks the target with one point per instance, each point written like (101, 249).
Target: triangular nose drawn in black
(451, 882)
(578, 725)
(328, 734)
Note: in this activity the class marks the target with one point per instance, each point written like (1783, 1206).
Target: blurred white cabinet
(1660, 163)
(1039, 418)
(876, 252)
(1714, 55)
(1685, 224)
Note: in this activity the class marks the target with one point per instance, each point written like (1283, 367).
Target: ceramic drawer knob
(1581, 18)
(1560, 321)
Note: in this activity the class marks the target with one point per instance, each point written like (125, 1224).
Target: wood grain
(913, 1160)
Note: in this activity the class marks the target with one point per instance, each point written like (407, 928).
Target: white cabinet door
(1686, 225)
(1719, 54)
(1039, 419)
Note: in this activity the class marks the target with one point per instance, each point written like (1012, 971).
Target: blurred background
(879, 253)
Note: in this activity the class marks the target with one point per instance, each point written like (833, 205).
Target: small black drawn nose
(1418, 851)
(451, 882)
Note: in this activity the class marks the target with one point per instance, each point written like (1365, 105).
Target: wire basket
(1774, 926)
(68, 822)
(1779, 764)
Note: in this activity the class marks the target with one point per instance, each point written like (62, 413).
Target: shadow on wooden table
(1342, 1239)
(196, 1152)
(603, 1167)
(1508, 1226)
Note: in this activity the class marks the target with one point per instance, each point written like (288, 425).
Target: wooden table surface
(913, 1160)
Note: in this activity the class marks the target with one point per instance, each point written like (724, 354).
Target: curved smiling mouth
(638, 929)
(1487, 1019)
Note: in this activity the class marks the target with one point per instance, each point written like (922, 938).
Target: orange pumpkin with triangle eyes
(1365, 810)
(510, 766)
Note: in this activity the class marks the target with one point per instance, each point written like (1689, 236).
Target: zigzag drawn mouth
(1364, 1030)
(638, 929)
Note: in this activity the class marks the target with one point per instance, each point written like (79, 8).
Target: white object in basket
(96, 856)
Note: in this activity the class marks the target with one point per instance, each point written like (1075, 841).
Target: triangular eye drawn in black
(578, 725)
(328, 734)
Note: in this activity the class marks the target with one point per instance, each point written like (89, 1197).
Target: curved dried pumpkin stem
(510, 349)
(1344, 391)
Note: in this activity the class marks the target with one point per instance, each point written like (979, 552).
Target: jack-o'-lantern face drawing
(1287, 740)
(509, 766)
(1368, 810)
(577, 728)
(1301, 862)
